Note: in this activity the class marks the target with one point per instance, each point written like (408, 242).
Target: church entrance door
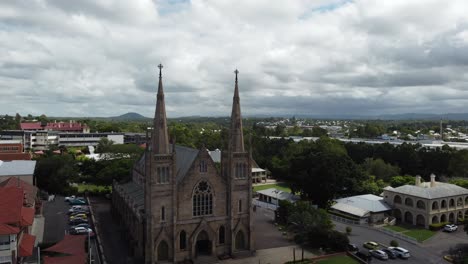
(203, 245)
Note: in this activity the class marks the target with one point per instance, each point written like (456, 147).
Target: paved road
(56, 223)
(430, 252)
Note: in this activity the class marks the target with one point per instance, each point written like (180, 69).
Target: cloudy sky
(99, 57)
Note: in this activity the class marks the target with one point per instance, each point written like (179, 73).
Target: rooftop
(361, 204)
(278, 194)
(440, 190)
(17, 167)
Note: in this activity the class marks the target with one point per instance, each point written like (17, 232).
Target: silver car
(379, 254)
(401, 252)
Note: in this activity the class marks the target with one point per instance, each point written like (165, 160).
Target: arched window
(452, 203)
(241, 170)
(163, 175)
(183, 240)
(435, 205)
(202, 200)
(221, 235)
(397, 199)
(421, 205)
(443, 204)
(240, 206)
(163, 214)
(409, 202)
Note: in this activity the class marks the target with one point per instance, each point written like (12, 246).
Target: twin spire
(160, 137)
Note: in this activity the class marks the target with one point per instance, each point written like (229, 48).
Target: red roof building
(13, 150)
(16, 218)
(56, 126)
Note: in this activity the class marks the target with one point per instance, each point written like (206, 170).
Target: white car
(379, 254)
(401, 252)
(70, 198)
(450, 228)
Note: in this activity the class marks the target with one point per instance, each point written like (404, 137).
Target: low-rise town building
(367, 208)
(426, 203)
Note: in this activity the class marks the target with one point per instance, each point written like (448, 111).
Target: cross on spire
(236, 72)
(160, 68)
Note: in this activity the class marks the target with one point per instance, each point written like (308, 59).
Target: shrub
(348, 230)
(394, 243)
(438, 226)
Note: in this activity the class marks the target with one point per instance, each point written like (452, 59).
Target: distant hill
(129, 116)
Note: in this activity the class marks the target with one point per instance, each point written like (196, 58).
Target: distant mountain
(129, 116)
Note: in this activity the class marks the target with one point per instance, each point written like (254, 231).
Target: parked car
(450, 228)
(390, 252)
(78, 201)
(370, 245)
(85, 225)
(379, 254)
(78, 208)
(78, 212)
(77, 221)
(68, 198)
(401, 252)
(82, 215)
(366, 256)
(81, 231)
(353, 248)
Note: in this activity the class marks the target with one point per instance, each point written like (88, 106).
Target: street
(432, 251)
(56, 224)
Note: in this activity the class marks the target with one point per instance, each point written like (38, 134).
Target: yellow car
(371, 245)
(82, 216)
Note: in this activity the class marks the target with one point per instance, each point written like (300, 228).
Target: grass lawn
(338, 260)
(281, 186)
(417, 233)
(91, 187)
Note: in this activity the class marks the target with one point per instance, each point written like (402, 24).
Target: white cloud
(98, 58)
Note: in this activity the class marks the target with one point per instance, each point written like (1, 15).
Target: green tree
(104, 145)
(380, 169)
(458, 165)
(54, 173)
(397, 181)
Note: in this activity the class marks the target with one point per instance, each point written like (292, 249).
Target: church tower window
(163, 214)
(221, 235)
(163, 175)
(183, 240)
(202, 200)
(240, 171)
(203, 166)
(240, 206)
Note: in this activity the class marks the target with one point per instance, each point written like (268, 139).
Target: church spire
(160, 138)
(236, 137)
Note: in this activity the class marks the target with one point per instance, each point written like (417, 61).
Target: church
(179, 207)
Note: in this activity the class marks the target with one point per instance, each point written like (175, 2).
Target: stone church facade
(178, 206)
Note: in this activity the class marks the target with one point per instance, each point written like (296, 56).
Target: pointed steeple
(160, 137)
(236, 137)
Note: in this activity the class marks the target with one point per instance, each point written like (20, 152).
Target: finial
(236, 72)
(160, 68)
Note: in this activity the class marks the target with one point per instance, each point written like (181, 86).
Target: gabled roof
(8, 229)
(11, 202)
(184, 159)
(26, 245)
(278, 194)
(349, 209)
(366, 202)
(30, 191)
(440, 190)
(17, 167)
(27, 216)
(70, 244)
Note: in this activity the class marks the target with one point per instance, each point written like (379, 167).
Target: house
(16, 220)
(273, 196)
(426, 203)
(368, 208)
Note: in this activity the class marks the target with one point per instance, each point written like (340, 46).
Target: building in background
(367, 208)
(13, 150)
(426, 203)
(70, 126)
(21, 169)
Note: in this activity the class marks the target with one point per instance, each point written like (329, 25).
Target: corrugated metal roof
(278, 194)
(17, 167)
(367, 202)
(440, 190)
(350, 209)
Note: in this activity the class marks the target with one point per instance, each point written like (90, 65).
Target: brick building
(179, 206)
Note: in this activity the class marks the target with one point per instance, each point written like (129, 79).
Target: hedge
(438, 226)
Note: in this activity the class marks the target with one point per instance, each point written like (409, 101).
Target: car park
(450, 228)
(390, 253)
(370, 245)
(401, 252)
(379, 254)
